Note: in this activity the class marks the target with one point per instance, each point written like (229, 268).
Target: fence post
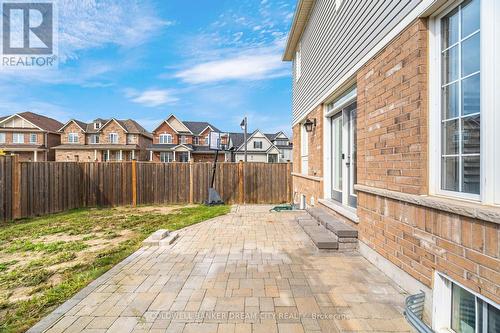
(241, 180)
(134, 183)
(289, 182)
(191, 181)
(16, 187)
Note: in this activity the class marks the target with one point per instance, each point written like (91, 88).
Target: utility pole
(244, 126)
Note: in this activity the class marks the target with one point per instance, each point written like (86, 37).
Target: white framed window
(464, 81)
(207, 140)
(298, 62)
(183, 139)
(304, 150)
(97, 125)
(196, 140)
(73, 137)
(165, 138)
(459, 309)
(33, 138)
(257, 144)
(2, 137)
(113, 137)
(94, 138)
(17, 138)
(166, 156)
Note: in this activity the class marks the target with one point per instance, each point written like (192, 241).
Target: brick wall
(392, 155)
(40, 137)
(392, 115)
(164, 128)
(73, 128)
(420, 240)
(303, 186)
(207, 157)
(71, 156)
(113, 127)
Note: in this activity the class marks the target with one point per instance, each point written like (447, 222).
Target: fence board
(50, 187)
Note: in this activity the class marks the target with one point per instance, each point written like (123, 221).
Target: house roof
(171, 147)
(43, 122)
(197, 127)
(239, 138)
(96, 146)
(299, 23)
(130, 125)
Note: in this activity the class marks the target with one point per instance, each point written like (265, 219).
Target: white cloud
(253, 64)
(85, 24)
(152, 97)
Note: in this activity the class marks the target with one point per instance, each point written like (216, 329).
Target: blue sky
(213, 60)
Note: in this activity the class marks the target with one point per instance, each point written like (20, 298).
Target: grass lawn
(44, 261)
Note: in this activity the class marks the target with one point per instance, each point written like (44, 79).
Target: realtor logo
(28, 31)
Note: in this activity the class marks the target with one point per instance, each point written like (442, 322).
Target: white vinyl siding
(336, 40)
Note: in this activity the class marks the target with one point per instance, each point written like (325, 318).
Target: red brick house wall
(392, 157)
(392, 115)
(73, 128)
(311, 184)
(112, 127)
(164, 128)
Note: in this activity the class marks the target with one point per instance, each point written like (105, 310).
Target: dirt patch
(158, 209)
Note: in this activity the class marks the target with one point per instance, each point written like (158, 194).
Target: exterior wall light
(310, 124)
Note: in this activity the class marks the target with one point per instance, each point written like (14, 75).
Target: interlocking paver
(248, 271)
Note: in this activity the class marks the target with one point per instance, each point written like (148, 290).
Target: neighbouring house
(396, 124)
(30, 136)
(175, 140)
(103, 140)
(261, 147)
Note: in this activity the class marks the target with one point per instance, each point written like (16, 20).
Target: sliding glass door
(344, 174)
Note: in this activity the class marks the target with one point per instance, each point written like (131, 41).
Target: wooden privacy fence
(37, 188)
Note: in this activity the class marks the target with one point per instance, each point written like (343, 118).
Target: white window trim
(298, 62)
(31, 137)
(2, 138)
(170, 157)
(343, 98)
(441, 305)
(73, 135)
(168, 138)
(110, 135)
(304, 150)
(93, 139)
(490, 104)
(18, 135)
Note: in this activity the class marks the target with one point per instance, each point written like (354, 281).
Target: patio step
(347, 236)
(330, 222)
(321, 237)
